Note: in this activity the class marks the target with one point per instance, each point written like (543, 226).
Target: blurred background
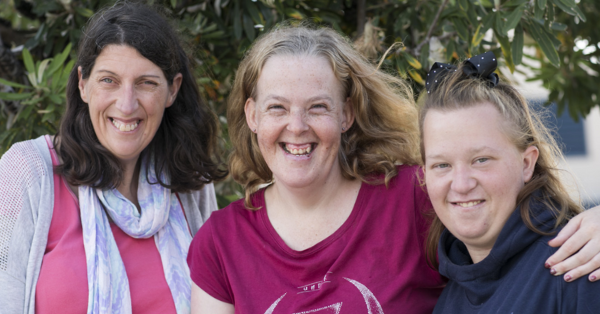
(550, 48)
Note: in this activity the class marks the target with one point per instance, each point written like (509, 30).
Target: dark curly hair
(185, 146)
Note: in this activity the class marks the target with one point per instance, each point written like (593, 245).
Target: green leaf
(237, 21)
(517, 45)
(538, 12)
(249, 28)
(253, 11)
(463, 4)
(15, 96)
(513, 18)
(461, 28)
(173, 3)
(478, 36)
(569, 7)
(506, 52)
(488, 22)
(41, 69)
(450, 49)
(56, 99)
(13, 84)
(416, 76)
(59, 60)
(541, 4)
(514, 3)
(84, 11)
(543, 39)
(558, 26)
(28, 60)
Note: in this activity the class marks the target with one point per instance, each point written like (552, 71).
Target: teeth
(124, 127)
(468, 204)
(299, 151)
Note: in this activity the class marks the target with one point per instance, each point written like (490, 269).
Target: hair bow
(480, 66)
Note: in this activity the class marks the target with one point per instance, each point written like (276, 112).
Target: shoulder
(27, 160)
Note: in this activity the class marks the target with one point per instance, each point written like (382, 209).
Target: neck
(313, 198)
(478, 254)
(129, 185)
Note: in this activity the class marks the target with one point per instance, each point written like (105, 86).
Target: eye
(320, 106)
(150, 83)
(441, 166)
(107, 80)
(275, 107)
(481, 160)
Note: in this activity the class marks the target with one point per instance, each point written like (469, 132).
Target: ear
(348, 113)
(174, 89)
(530, 157)
(81, 85)
(250, 111)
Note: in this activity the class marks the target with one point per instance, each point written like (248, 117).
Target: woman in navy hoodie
(491, 173)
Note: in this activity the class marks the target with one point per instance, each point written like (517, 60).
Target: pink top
(374, 263)
(62, 285)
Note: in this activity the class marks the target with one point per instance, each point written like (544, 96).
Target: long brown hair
(385, 129)
(527, 129)
(185, 145)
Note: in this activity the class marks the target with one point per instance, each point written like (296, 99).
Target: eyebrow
(312, 99)
(115, 74)
(475, 150)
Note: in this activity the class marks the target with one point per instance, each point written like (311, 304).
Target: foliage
(220, 31)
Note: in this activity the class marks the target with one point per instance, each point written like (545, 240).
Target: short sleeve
(206, 265)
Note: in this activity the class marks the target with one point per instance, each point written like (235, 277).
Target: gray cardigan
(26, 204)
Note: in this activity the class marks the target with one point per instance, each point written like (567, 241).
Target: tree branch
(417, 50)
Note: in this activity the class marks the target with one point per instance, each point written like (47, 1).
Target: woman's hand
(203, 303)
(581, 236)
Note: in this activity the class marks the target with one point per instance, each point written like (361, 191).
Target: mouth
(468, 204)
(124, 126)
(298, 149)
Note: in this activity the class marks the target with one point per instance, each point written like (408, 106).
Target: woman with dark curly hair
(99, 218)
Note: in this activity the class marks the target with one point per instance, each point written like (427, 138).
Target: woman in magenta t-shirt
(340, 226)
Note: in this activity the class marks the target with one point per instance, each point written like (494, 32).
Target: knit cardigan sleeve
(26, 201)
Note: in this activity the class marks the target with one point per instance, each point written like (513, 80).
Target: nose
(127, 101)
(462, 180)
(297, 122)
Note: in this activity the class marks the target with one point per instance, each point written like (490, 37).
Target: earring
(343, 128)
(254, 130)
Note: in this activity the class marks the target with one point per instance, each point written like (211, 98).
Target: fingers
(565, 234)
(584, 262)
(595, 275)
(575, 242)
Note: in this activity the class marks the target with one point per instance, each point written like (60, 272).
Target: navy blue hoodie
(512, 279)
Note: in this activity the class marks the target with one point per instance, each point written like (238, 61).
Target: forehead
(298, 76)
(121, 59)
(465, 129)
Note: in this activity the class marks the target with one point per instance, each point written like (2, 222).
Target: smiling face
(127, 95)
(473, 173)
(299, 114)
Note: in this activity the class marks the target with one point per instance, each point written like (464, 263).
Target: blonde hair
(456, 91)
(385, 129)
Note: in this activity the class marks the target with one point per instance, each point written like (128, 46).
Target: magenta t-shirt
(374, 263)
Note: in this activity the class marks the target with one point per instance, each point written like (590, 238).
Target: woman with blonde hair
(332, 219)
(491, 170)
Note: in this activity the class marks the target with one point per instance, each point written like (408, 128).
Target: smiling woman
(101, 216)
(491, 173)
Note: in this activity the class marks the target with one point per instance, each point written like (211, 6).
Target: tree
(35, 52)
